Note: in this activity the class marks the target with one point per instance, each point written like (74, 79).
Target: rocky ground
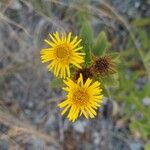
(29, 117)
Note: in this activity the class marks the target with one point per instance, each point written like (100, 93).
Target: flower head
(86, 73)
(82, 99)
(62, 52)
(103, 65)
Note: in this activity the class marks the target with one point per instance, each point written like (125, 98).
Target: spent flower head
(103, 65)
(86, 73)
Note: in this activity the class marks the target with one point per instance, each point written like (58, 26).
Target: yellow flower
(82, 99)
(62, 52)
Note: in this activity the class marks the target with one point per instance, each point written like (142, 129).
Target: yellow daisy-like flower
(63, 51)
(82, 99)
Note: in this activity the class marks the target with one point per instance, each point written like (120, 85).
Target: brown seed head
(103, 65)
(86, 73)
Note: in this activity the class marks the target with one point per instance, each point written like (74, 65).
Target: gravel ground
(28, 101)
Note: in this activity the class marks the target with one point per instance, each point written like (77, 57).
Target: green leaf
(101, 45)
(147, 58)
(140, 22)
(142, 127)
(86, 35)
(147, 146)
(83, 13)
(146, 89)
(144, 39)
(55, 83)
(109, 80)
(114, 55)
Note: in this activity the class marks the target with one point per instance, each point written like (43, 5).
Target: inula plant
(84, 69)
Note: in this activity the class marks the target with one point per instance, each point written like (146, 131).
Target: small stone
(4, 144)
(50, 123)
(146, 101)
(15, 5)
(80, 126)
(137, 4)
(30, 105)
(35, 144)
(135, 145)
(96, 138)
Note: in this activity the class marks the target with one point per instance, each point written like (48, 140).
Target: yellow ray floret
(82, 99)
(63, 52)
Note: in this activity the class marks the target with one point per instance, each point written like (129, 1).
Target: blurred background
(29, 117)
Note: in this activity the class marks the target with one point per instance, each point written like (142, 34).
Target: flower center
(80, 97)
(62, 51)
(102, 64)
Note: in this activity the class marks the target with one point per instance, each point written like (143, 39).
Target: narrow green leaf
(86, 35)
(140, 22)
(101, 45)
(144, 39)
(115, 55)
